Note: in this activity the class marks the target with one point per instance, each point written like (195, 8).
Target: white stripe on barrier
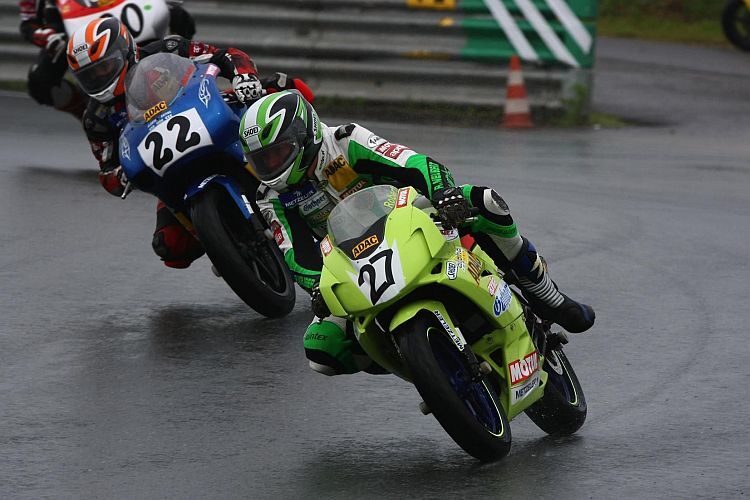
(571, 23)
(511, 29)
(545, 31)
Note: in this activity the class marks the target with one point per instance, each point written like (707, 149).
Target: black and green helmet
(281, 134)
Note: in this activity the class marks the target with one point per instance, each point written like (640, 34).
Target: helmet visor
(99, 75)
(271, 161)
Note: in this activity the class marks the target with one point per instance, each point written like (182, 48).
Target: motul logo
(521, 369)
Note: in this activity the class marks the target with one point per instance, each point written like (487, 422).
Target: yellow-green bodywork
(422, 249)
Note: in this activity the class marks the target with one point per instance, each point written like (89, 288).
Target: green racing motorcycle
(445, 319)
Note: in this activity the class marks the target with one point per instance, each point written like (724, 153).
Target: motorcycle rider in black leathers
(42, 25)
(306, 167)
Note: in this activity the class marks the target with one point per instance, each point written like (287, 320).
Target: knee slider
(494, 203)
(176, 246)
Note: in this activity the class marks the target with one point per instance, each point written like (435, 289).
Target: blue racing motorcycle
(181, 144)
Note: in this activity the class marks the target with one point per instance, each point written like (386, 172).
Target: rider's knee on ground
(328, 348)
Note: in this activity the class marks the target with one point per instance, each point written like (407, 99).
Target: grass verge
(686, 21)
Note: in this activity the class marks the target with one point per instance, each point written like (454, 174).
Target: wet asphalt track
(120, 378)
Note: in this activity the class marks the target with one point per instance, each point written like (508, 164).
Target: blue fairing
(176, 149)
(230, 185)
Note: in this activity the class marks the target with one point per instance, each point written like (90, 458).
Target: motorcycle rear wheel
(562, 409)
(252, 266)
(468, 411)
(735, 21)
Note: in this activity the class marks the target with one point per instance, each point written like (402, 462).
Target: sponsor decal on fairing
(124, 148)
(492, 286)
(212, 70)
(451, 269)
(363, 245)
(520, 393)
(503, 298)
(155, 110)
(325, 246)
(457, 338)
(203, 94)
(522, 369)
(403, 197)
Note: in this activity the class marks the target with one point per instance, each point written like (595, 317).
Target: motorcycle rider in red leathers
(99, 54)
(42, 25)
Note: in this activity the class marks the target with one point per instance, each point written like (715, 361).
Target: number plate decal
(380, 276)
(172, 139)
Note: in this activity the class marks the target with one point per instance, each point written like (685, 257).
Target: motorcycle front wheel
(251, 264)
(468, 410)
(735, 21)
(562, 409)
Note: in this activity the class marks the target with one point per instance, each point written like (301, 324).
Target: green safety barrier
(487, 41)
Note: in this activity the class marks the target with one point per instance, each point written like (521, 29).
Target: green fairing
(418, 248)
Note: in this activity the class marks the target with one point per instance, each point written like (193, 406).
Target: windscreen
(154, 83)
(358, 211)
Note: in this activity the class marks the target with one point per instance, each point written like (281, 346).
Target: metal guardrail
(417, 51)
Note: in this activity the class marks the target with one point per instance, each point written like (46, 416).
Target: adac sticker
(155, 110)
(339, 173)
(369, 242)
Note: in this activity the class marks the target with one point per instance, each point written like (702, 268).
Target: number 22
(163, 155)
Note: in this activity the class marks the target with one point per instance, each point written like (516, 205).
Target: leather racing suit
(102, 122)
(42, 25)
(350, 159)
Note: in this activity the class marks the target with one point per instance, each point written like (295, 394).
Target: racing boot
(332, 349)
(542, 293)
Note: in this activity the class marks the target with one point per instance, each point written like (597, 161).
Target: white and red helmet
(99, 55)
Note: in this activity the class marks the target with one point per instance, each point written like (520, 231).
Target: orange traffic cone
(517, 111)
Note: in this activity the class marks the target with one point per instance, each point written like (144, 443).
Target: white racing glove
(247, 88)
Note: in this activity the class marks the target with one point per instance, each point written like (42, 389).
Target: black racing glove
(319, 306)
(452, 208)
